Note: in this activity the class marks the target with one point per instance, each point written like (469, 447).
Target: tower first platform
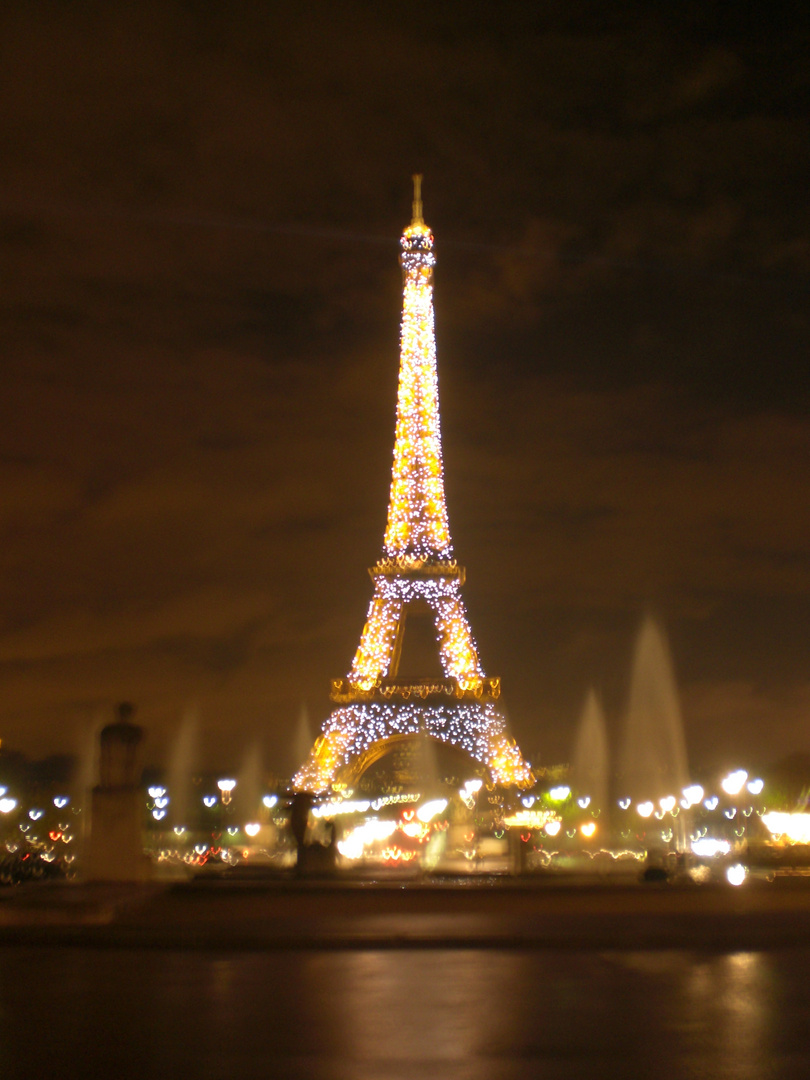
(416, 673)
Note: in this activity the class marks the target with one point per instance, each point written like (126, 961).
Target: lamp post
(226, 788)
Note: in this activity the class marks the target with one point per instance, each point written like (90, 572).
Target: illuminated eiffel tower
(382, 707)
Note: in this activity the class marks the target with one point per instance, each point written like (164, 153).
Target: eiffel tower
(416, 679)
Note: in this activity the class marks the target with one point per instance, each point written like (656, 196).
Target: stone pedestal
(116, 836)
(115, 851)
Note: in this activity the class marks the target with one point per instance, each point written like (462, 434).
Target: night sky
(200, 207)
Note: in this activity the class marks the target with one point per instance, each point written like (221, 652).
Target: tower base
(353, 733)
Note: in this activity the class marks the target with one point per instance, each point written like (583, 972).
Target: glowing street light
(559, 794)
(691, 796)
(707, 847)
(469, 791)
(733, 783)
(736, 874)
(7, 805)
(429, 810)
(796, 827)
(226, 787)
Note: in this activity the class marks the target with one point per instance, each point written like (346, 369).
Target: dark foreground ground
(492, 980)
(254, 912)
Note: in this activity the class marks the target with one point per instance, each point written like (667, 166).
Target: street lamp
(226, 787)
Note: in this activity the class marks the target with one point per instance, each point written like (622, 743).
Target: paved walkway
(503, 913)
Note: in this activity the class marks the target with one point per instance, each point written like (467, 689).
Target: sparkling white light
(457, 649)
(476, 727)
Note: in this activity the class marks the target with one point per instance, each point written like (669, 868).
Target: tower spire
(417, 200)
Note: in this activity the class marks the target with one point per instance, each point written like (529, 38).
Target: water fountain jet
(590, 768)
(182, 763)
(250, 783)
(653, 761)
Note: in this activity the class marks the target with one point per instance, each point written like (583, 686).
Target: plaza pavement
(256, 912)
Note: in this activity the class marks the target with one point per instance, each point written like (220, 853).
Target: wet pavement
(310, 980)
(423, 1013)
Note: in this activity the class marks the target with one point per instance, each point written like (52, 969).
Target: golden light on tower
(417, 528)
(417, 571)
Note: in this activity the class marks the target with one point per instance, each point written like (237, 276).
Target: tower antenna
(417, 200)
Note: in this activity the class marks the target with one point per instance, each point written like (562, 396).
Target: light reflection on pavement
(362, 1014)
